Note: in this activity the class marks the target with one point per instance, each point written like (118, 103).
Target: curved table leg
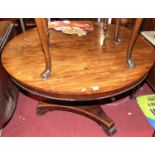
(93, 112)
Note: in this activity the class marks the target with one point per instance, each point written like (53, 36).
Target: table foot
(40, 112)
(94, 112)
(110, 131)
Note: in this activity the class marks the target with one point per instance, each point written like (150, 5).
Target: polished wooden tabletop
(83, 68)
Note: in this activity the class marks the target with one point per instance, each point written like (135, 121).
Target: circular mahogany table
(84, 70)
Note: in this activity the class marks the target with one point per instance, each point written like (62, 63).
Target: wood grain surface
(83, 67)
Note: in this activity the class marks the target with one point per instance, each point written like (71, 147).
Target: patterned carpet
(128, 118)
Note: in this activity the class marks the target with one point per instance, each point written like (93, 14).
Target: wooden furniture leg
(116, 39)
(93, 112)
(132, 42)
(105, 22)
(105, 29)
(42, 26)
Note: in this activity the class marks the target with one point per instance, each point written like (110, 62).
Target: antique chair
(42, 25)
(8, 91)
